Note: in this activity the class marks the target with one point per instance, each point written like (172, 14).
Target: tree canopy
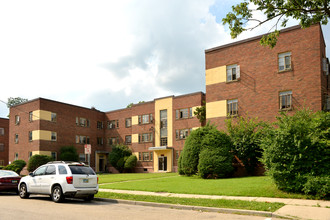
(307, 12)
(15, 101)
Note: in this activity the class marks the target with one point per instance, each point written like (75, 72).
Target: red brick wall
(4, 139)
(258, 89)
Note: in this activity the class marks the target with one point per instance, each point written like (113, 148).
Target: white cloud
(107, 54)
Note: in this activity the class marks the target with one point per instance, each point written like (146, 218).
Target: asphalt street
(41, 207)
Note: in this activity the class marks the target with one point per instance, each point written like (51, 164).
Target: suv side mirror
(31, 174)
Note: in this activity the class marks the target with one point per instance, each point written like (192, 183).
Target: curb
(194, 208)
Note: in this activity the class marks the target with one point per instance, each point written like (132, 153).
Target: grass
(112, 178)
(217, 203)
(244, 186)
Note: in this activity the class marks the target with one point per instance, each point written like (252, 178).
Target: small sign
(88, 149)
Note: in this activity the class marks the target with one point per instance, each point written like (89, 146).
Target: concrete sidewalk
(293, 209)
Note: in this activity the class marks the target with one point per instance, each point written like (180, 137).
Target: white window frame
(233, 72)
(288, 102)
(17, 120)
(283, 65)
(53, 117)
(232, 107)
(53, 136)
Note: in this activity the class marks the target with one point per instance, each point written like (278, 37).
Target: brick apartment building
(155, 131)
(242, 78)
(4, 141)
(245, 78)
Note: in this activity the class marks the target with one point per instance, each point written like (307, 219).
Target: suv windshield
(81, 170)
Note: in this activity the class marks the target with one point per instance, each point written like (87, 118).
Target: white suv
(60, 179)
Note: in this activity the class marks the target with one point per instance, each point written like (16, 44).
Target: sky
(107, 54)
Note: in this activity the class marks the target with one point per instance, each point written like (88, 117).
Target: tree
(38, 160)
(307, 12)
(69, 153)
(15, 101)
(296, 152)
(16, 165)
(131, 104)
(245, 133)
(118, 157)
(200, 113)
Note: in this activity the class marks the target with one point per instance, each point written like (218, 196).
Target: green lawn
(218, 203)
(244, 186)
(111, 178)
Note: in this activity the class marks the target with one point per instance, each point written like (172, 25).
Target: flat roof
(250, 39)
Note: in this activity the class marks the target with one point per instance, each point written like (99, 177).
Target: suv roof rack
(66, 162)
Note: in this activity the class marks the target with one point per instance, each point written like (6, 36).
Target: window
(16, 138)
(2, 147)
(62, 169)
(54, 155)
(83, 122)
(113, 141)
(16, 156)
(2, 162)
(286, 100)
(163, 127)
(82, 158)
(40, 171)
(284, 61)
(30, 116)
(128, 139)
(145, 119)
(17, 120)
(30, 135)
(325, 66)
(233, 72)
(181, 134)
(327, 103)
(232, 107)
(99, 141)
(54, 136)
(80, 139)
(128, 122)
(29, 155)
(2, 131)
(146, 137)
(53, 117)
(113, 124)
(177, 154)
(100, 125)
(51, 170)
(183, 113)
(145, 156)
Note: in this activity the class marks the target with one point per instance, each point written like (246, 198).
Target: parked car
(61, 179)
(9, 180)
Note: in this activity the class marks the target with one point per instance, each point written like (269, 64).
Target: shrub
(2, 167)
(296, 152)
(118, 156)
(130, 163)
(245, 134)
(68, 153)
(189, 157)
(38, 160)
(215, 159)
(319, 186)
(213, 164)
(16, 165)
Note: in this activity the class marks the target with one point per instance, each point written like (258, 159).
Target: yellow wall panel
(38, 152)
(135, 120)
(135, 138)
(41, 115)
(216, 109)
(41, 135)
(162, 104)
(194, 109)
(215, 75)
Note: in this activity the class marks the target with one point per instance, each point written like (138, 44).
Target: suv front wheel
(57, 194)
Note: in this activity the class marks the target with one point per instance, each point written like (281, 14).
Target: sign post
(88, 151)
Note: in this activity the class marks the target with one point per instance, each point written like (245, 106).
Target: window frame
(230, 107)
(53, 134)
(283, 56)
(180, 113)
(229, 72)
(181, 136)
(128, 122)
(130, 141)
(285, 94)
(2, 131)
(17, 120)
(148, 136)
(53, 117)
(142, 119)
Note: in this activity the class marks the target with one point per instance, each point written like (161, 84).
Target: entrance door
(162, 164)
(101, 165)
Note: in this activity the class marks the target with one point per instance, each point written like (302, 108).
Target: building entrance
(162, 163)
